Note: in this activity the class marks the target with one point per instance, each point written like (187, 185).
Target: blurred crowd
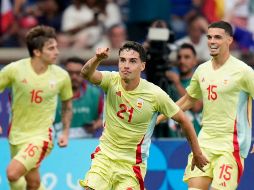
(93, 23)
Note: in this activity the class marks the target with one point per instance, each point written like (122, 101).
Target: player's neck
(38, 66)
(219, 60)
(130, 85)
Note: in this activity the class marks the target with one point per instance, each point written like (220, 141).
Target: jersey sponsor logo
(140, 103)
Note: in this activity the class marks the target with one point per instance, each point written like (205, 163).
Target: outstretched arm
(89, 71)
(199, 159)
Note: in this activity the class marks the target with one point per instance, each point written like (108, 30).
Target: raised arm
(89, 71)
(199, 159)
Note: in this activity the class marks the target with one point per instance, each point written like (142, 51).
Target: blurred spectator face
(117, 37)
(25, 24)
(50, 6)
(74, 71)
(186, 61)
(195, 30)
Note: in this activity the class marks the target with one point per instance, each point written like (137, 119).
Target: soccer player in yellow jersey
(132, 106)
(35, 82)
(226, 85)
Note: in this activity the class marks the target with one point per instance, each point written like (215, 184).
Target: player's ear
(230, 40)
(143, 66)
(37, 52)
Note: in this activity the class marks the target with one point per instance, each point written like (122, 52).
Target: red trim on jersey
(137, 171)
(236, 153)
(138, 152)
(9, 129)
(100, 105)
(50, 134)
(98, 149)
(43, 153)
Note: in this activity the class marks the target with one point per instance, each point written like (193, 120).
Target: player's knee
(33, 184)
(12, 175)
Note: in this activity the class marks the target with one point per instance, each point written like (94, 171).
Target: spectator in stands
(79, 26)
(51, 15)
(186, 64)
(84, 21)
(87, 104)
(116, 36)
(197, 27)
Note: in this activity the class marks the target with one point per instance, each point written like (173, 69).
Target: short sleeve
(247, 83)
(165, 104)
(107, 76)
(66, 89)
(6, 77)
(194, 89)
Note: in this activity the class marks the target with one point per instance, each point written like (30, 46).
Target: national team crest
(52, 84)
(140, 103)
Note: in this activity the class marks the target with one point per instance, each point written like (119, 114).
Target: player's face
(186, 60)
(74, 72)
(218, 41)
(130, 65)
(49, 52)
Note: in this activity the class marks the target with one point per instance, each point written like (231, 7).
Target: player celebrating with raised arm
(36, 83)
(130, 112)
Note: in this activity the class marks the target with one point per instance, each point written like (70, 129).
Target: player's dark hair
(136, 47)
(223, 25)
(37, 36)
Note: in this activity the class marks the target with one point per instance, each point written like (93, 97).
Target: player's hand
(199, 161)
(102, 53)
(173, 77)
(63, 140)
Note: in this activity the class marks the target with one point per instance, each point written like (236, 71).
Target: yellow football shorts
(106, 174)
(225, 168)
(31, 153)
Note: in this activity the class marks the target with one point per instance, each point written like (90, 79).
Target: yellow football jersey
(130, 116)
(34, 98)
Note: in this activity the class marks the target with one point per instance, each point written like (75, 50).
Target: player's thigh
(129, 176)
(196, 173)
(226, 172)
(201, 183)
(99, 174)
(31, 154)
